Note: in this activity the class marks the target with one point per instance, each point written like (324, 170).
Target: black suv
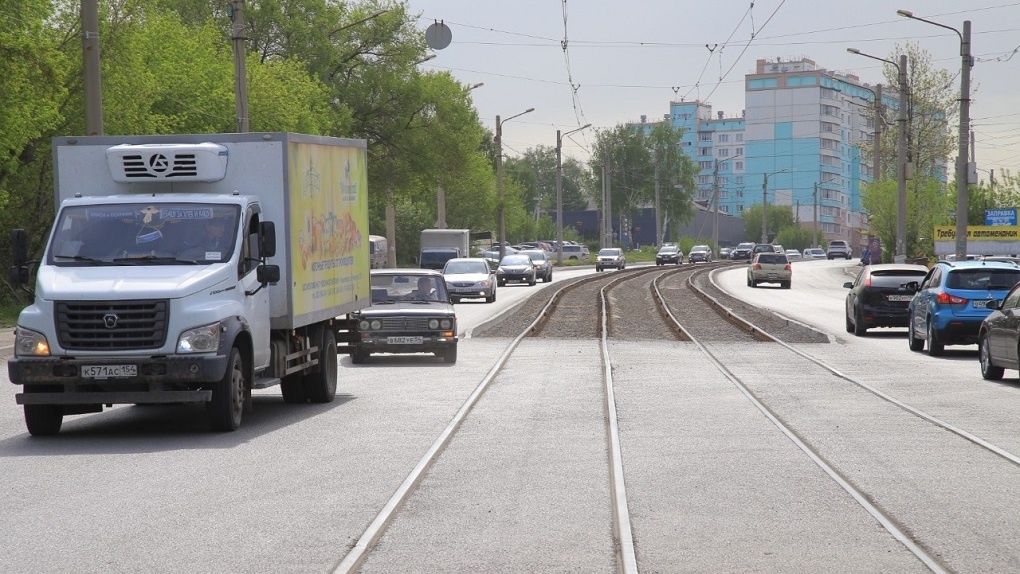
(669, 254)
(742, 251)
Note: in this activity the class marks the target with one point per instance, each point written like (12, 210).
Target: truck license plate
(108, 371)
(404, 340)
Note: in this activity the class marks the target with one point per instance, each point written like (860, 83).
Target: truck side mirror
(19, 271)
(268, 274)
(267, 240)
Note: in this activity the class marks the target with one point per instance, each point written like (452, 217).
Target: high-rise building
(800, 129)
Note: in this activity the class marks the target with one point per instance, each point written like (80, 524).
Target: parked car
(793, 254)
(724, 252)
(576, 252)
(470, 278)
(543, 263)
(952, 301)
(839, 248)
(879, 296)
(762, 248)
(770, 267)
(610, 257)
(700, 253)
(742, 252)
(669, 254)
(517, 267)
(999, 337)
(411, 312)
(814, 253)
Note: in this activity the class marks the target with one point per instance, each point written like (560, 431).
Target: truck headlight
(205, 339)
(29, 343)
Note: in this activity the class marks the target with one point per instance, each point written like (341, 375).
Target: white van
(377, 251)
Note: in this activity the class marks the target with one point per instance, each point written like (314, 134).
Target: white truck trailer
(440, 245)
(137, 301)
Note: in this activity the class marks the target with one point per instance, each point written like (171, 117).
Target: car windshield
(699, 248)
(458, 267)
(516, 260)
(745, 246)
(407, 287)
(144, 234)
(983, 279)
(609, 252)
(668, 250)
(535, 255)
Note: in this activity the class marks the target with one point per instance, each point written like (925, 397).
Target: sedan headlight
(30, 343)
(376, 324)
(446, 324)
(433, 324)
(205, 339)
(363, 325)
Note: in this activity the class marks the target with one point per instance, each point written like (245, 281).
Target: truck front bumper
(55, 380)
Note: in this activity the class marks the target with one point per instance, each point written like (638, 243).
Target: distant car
(543, 263)
(610, 257)
(700, 253)
(576, 252)
(770, 267)
(492, 255)
(778, 248)
(470, 278)
(953, 300)
(814, 253)
(742, 252)
(669, 254)
(838, 248)
(792, 254)
(518, 268)
(762, 248)
(879, 296)
(411, 312)
(724, 252)
(999, 337)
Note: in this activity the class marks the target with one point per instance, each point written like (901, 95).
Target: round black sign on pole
(438, 35)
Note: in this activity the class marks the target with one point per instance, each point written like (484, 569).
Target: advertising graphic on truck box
(329, 212)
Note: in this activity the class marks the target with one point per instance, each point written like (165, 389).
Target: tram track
(593, 308)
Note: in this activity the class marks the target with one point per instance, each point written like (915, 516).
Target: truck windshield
(144, 234)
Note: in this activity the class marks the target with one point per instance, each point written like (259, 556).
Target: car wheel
(849, 325)
(749, 282)
(935, 348)
(320, 386)
(43, 420)
(491, 298)
(450, 355)
(785, 284)
(532, 282)
(989, 371)
(598, 269)
(227, 402)
(859, 329)
(548, 278)
(913, 342)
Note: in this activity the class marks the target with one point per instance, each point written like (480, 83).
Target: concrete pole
(901, 181)
(499, 188)
(440, 207)
(91, 70)
(391, 230)
(715, 209)
(814, 236)
(962, 167)
(658, 217)
(240, 72)
(877, 166)
(559, 199)
(764, 206)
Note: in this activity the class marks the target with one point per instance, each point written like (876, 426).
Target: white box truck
(440, 245)
(192, 269)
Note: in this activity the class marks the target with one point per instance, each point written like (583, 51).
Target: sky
(628, 58)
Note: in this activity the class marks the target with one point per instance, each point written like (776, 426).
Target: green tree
(928, 204)
(778, 218)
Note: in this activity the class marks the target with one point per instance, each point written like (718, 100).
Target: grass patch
(9, 314)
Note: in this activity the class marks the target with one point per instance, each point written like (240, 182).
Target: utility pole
(391, 230)
(962, 167)
(559, 192)
(764, 206)
(499, 187)
(658, 219)
(240, 72)
(440, 207)
(877, 166)
(715, 207)
(91, 70)
(901, 181)
(814, 236)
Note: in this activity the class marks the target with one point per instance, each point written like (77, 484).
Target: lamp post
(962, 165)
(559, 192)
(901, 151)
(499, 178)
(764, 203)
(473, 86)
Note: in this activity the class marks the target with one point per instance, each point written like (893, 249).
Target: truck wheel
(227, 402)
(293, 389)
(450, 355)
(320, 386)
(43, 420)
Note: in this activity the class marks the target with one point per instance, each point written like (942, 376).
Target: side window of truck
(250, 246)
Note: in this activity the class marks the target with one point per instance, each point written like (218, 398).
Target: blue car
(953, 300)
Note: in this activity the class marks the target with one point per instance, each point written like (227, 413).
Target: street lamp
(961, 161)
(473, 86)
(499, 178)
(764, 202)
(901, 173)
(559, 192)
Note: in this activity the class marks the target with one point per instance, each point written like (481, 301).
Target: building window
(740, 165)
(705, 165)
(740, 151)
(704, 151)
(829, 144)
(723, 181)
(704, 179)
(831, 111)
(704, 136)
(740, 180)
(740, 208)
(740, 138)
(724, 152)
(723, 138)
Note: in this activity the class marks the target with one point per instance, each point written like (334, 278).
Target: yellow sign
(329, 215)
(979, 233)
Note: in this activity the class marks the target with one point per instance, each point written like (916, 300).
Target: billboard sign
(1000, 216)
